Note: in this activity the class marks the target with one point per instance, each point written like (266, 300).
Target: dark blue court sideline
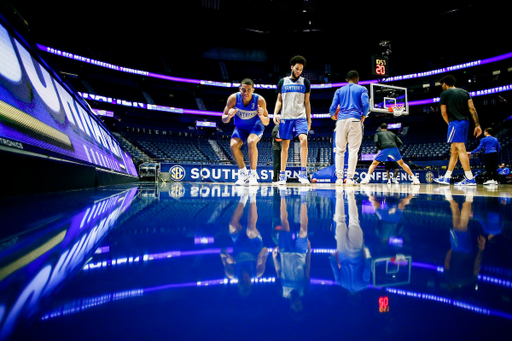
(192, 261)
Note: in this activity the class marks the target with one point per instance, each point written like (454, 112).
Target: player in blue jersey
(354, 107)
(491, 148)
(295, 119)
(250, 114)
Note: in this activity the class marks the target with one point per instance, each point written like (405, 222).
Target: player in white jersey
(293, 99)
(251, 117)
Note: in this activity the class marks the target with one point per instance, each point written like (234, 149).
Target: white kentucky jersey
(293, 95)
(247, 116)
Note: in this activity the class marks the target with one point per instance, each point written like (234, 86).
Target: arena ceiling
(420, 31)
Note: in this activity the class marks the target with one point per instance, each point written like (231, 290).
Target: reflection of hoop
(397, 109)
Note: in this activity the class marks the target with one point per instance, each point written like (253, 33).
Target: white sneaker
(491, 182)
(389, 181)
(303, 179)
(416, 181)
(339, 182)
(253, 179)
(282, 180)
(365, 181)
(395, 181)
(243, 178)
(350, 182)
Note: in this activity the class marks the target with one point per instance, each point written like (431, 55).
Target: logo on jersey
(245, 115)
(430, 177)
(177, 173)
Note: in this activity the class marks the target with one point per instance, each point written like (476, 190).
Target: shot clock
(380, 66)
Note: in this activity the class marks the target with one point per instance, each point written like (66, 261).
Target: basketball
(313, 180)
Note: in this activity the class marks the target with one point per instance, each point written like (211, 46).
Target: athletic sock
(448, 174)
(469, 175)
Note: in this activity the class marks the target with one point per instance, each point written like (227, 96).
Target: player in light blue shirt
(354, 106)
(251, 117)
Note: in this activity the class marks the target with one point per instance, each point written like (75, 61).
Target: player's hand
(478, 131)
(261, 111)
(277, 119)
(469, 153)
(232, 112)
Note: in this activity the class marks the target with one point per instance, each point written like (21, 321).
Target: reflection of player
(491, 148)
(351, 264)
(292, 257)
(293, 98)
(390, 213)
(456, 106)
(462, 261)
(353, 104)
(251, 117)
(388, 144)
(249, 254)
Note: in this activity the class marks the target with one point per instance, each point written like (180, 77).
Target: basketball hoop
(397, 109)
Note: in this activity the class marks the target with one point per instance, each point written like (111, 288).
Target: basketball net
(397, 109)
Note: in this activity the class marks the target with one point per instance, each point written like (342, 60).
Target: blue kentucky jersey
(246, 116)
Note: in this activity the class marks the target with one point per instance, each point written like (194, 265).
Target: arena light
(266, 86)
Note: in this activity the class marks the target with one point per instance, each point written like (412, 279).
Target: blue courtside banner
(217, 173)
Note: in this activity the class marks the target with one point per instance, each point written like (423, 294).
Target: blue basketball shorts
(458, 131)
(243, 133)
(287, 127)
(392, 153)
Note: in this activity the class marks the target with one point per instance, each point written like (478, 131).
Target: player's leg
(286, 133)
(301, 130)
(236, 144)
(303, 177)
(407, 169)
(459, 141)
(252, 144)
(237, 140)
(374, 164)
(454, 156)
(381, 156)
(354, 140)
(395, 175)
(341, 146)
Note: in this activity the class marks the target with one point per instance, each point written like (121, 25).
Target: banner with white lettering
(217, 173)
(38, 110)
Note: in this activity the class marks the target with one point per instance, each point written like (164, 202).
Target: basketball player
(456, 106)
(491, 148)
(293, 98)
(354, 106)
(251, 117)
(388, 144)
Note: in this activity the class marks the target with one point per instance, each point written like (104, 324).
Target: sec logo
(429, 177)
(177, 173)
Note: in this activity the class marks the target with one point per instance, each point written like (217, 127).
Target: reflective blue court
(198, 261)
